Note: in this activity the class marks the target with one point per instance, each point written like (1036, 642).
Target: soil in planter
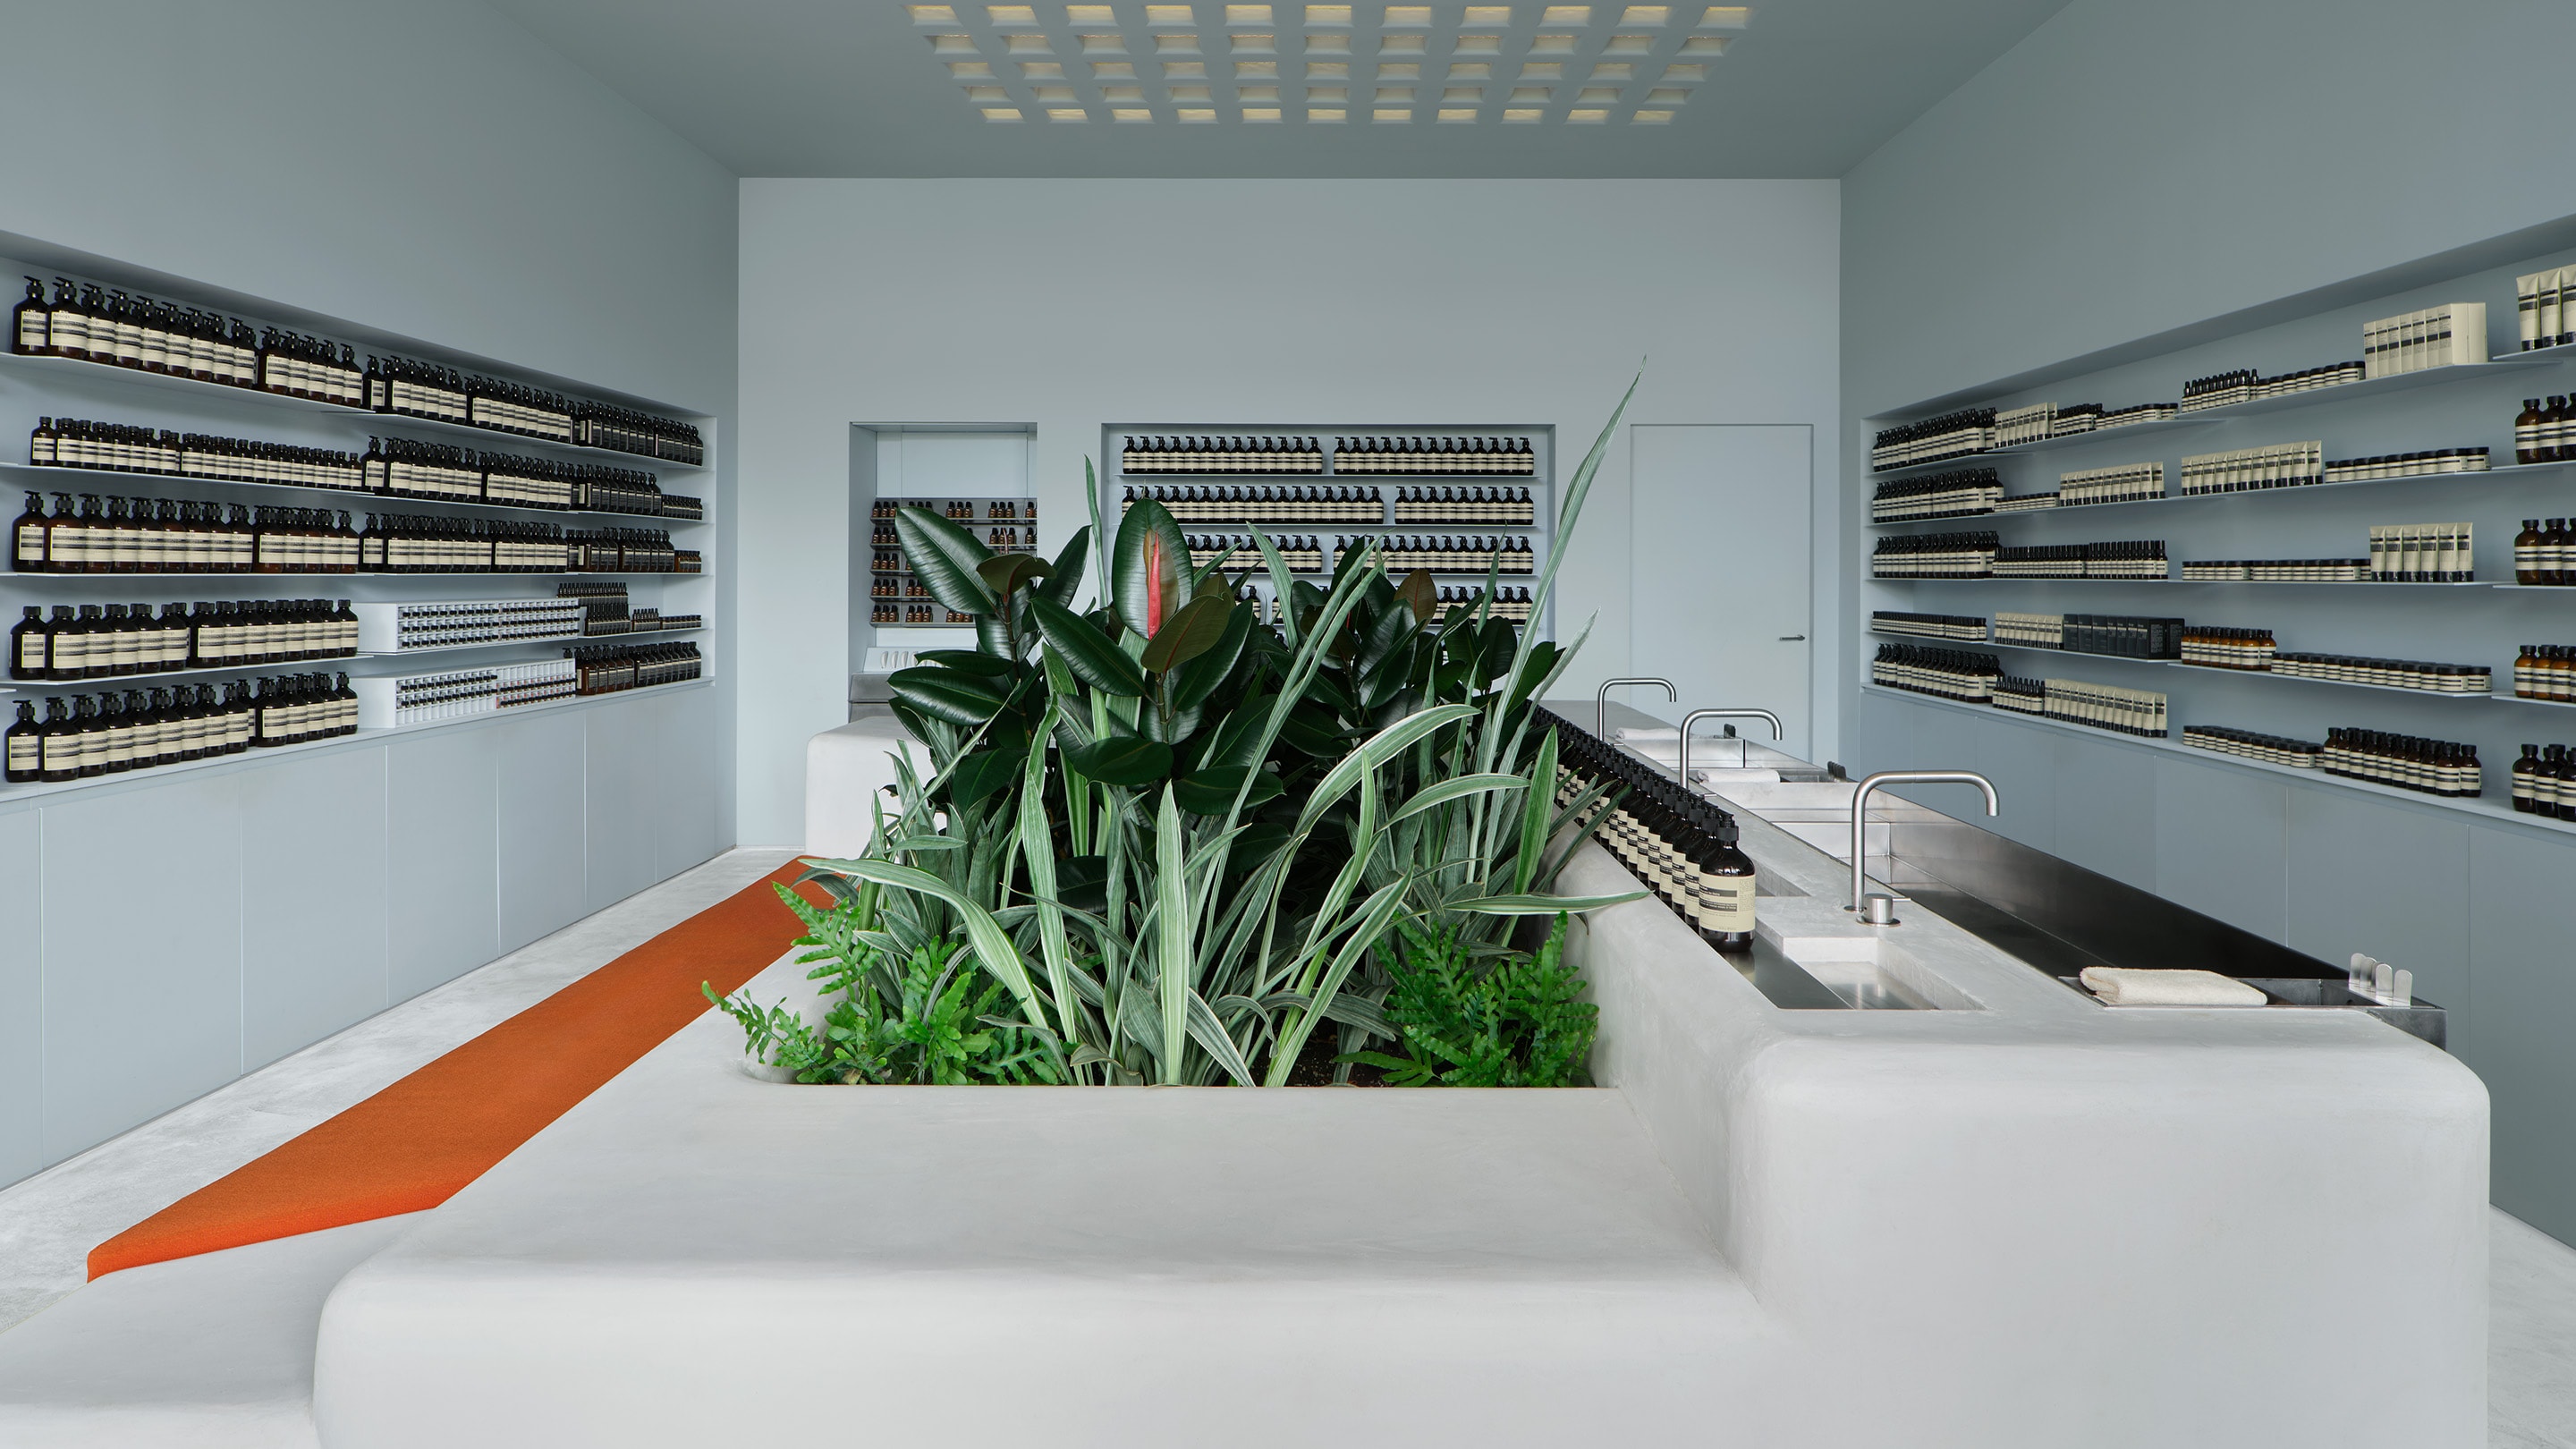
(1315, 1066)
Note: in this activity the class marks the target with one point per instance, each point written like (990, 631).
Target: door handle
(1793, 638)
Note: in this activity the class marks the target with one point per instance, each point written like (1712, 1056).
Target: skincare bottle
(32, 334)
(2526, 775)
(26, 742)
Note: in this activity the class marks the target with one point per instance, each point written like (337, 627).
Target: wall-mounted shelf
(2330, 683)
(491, 438)
(2219, 583)
(61, 480)
(2510, 472)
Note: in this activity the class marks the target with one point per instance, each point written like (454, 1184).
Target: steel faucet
(1860, 818)
(1700, 714)
(1601, 700)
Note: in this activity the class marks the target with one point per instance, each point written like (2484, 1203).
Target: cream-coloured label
(1726, 902)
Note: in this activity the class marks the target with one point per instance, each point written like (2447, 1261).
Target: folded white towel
(1665, 735)
(2129, 986)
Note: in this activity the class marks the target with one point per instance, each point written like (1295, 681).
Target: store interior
(1767, 353)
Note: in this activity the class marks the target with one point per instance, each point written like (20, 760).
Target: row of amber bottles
(86, 735)
(1679, 843)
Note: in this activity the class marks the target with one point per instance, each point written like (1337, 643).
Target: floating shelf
(2509, 471)
(374, 502)
(2481, 806)
(282, 578)
(164, 382)
(2333, 683)
(2218, 583)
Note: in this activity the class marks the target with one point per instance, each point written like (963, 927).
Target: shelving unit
(42, 386)
(2492, 697)
(2510, 472)
(990, 513)
(1540, 532)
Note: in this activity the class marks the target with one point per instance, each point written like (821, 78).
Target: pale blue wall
(2080, 222)
(428, 169)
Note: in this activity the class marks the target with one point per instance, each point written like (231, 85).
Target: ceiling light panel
(1384, 53)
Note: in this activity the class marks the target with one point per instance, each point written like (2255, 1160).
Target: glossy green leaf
(944, 557)
(1005, 572)
(1149, 568)
(1421, 595)
(1123, 760)
(1541, 905)
(947, 694)
(1211, 791)
(1199, 678)
(1072, 565)
(982, 773)
(971, 660)
(1090, 654)
(1188, 634)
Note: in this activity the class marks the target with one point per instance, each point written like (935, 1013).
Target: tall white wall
(424, 167)
(1070, 304)
(2146, 172)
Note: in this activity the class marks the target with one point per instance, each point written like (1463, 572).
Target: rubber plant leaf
(944, 557)
(1071, 565)
(947, 694)
(1005, 572)
(1149, 568)
(1123, 760)
(980, 774)
(970, 660)
(1421, 595)
(1187, 634)
(1090, 654)
(1199, 678)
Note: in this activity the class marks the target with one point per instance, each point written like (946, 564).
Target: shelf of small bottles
(2508, 472)
(2493, 807)
(309, 664)
(105, 372)
(372, 500)
(369, 574)
(2422, 377)
(2498, 698)
(2207, 583)
(11, 793)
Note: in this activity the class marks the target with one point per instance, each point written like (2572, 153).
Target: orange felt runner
(412, 1145)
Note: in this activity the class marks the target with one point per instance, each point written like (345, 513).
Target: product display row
(1680, 844)
(1959, 493)
(2545, 303)
(2221, 648)
(1303, 553)
(2407, 465)
(2249, 470)
(2543, 782)
(1240, 455)
(2124, 484)
(2245, 385)
(2417, 674)
(2544, 555)
(1445, 554)
(394, 628)
(2138, 558)
(1960, 674)
(1935, 556)
(1929, 626)
(916, 615)
(1262, 503)
(2545, 431)
(959, 510)
(92, 323)
(2453, 334)
(2141, 712)
(86, 735)
(96, 641)
(608, 668)
(2545, 671)
(1934, 440)
(2431, 767)
(2125, 636)
(389, 701)
(1490, 507)
(396, 467)
(95, 535)
(2248, 745)
(2276, 571)
(2423, 553)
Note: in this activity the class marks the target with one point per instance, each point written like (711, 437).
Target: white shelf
(162, 381)
(2499, 366)
(308, 666)
(2218, 583)
(372, 502)
(2482, 806)
(2509, 471)
(2333, 683)
(12, 794)
(281, 578)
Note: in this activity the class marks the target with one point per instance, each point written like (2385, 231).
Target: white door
(1719, 600)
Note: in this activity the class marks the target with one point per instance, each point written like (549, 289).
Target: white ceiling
(1803, 88)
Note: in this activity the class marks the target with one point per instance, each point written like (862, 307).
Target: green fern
(1520, 1022)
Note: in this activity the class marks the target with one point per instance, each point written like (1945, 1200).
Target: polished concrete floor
(49, 1223)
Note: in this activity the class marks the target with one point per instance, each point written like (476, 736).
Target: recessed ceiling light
(1462, 95)
(1542, 70)
(1705, 45)
(1028, 45)
(1328, 70)
(1068, 113)
(1651, 118)
(1726, 17)
(1123, 95)
(1404, 45)
(1666, 96)
(1090, 15)
(1406, 15)
(1256, 70)
(1478, 45)
(1586, 118)
(1395, 95)
(1629, 45)
(1598, 96)
(1113, 70)
(1000, 15)
(1328, 45)
(1252, 44)
(1196, 116)
(1458, 117)
(1685, 74)
(1042, 70)
(1566, 15)
(1169, 15)
(1104, 45)
(1185, 70)
(1530, 95)
(1247, 15)
(1519, 117)
(1001, 113)
(1176, 44)
(1243, 95)
(1405, 70)
(971, 69)
(988, 95)
(1259, 114)
(1391, 116)
(1614, 71)
(933, 15)
(1488, 15)
(952, 45)
(1327, 115)
(1328, 15)
(1130, 116)
(1646, 15)
(1470, 70)
(1551, 45)
(1055, 95)
(1200, 93)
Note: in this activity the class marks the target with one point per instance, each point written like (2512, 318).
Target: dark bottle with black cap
(31, 332)
(1726, 884)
